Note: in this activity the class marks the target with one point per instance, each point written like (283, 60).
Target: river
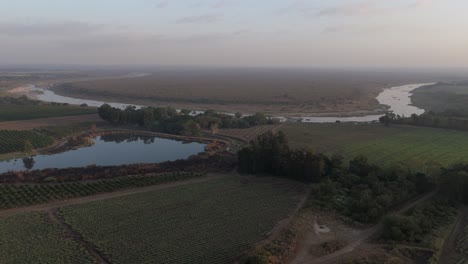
(397, 98)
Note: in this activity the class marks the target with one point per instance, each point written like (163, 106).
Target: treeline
(358, 190)
(168, 120)
(416, 225)
(451, 119)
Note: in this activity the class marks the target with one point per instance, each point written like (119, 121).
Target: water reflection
(111, 150)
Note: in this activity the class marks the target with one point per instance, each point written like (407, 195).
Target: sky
(331, 33)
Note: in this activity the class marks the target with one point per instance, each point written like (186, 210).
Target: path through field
(100, 197)
(303, 256)
(448, 253)
(51, 121)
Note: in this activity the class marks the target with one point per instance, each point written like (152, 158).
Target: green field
(33, 238)
(415, 146)
(11, 112)
(14, 140)
(210, 222)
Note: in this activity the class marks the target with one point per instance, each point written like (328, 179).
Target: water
(397, 98)
(112, 151)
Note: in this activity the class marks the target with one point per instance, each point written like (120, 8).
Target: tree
(27, 147)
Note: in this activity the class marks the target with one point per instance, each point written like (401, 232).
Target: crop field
(14, 140)
(247, 134)
(209, 222)
(12, 195)
(414, 146)
(25, 112)
(33, 238)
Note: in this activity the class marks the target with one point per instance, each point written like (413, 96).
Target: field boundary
(55, 217)
(100, 197)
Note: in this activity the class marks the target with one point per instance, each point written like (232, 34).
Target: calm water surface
(111, 150)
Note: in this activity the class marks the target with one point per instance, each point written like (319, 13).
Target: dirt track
(52, 121)
(304, 257)
(100, 197)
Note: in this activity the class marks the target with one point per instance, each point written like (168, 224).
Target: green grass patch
(210, 222)
(33, 238)
(415, 146)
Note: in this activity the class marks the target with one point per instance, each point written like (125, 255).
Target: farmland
(186, 224)
(33, 238)
(10, 112)
(14, 140)
(12, 195)
(383, 145)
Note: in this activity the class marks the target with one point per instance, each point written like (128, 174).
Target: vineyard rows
(15, 140)
(23, 195)
(209, 222)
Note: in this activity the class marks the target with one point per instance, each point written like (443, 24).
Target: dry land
(285, 92)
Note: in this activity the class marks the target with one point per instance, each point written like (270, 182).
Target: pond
(110, 150)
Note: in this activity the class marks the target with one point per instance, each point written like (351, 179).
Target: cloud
(47, 29)
(202, 19)
(351, 9)
(219, 4)
(162, 4)
(420, 3)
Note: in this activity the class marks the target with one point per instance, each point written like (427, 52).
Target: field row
(418, 147)
(23, 195)
(207, 222)
(21, 140)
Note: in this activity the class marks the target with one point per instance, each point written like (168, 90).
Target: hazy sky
(430, 33)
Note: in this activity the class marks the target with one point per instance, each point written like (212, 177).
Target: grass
(210, 222)
(416, 146)
(12, 112)
(32, 238)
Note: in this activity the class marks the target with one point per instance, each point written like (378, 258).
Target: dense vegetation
(360, 191)
(186, 224)
(416, 225)
(451, 119)
(419, 148)
(168, 120)
(23, 108)
(33, 238)
(24, 140)
(23, 195)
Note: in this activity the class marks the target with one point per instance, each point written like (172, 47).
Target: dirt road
(303, 255)
(100, 197)
(52, 121)
(448, 253)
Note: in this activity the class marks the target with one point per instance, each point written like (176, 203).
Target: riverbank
(396, 99)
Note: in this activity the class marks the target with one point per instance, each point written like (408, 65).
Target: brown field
(273, 91)
(46, 122)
